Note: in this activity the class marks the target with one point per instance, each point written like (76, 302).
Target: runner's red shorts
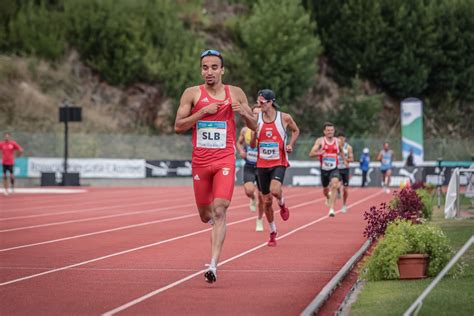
(215, 181)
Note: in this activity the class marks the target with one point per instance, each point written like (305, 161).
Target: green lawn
(450, 297)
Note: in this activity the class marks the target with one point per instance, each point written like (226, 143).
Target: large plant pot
(413, 266)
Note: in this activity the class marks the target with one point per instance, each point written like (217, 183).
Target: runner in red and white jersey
(8, 148)
(209, 110)
(272, 158)
(327, 149)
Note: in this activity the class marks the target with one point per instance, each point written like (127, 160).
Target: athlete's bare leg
(333, 186)
(345, 195)
(267, 206)
(249, 188)
(5, 183)
(216, 215)
(261, 206)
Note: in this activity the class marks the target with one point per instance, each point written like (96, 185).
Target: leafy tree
(279, 48)
(358, 113)
(37, 30)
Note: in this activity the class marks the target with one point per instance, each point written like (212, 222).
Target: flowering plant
(403, 237)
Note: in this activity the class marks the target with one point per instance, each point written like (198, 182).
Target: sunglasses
(211, 52)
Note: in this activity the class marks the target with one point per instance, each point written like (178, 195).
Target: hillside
(127, 71)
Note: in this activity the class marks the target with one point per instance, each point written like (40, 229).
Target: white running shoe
(253, 205)
(5, 192)
(210, 276)
(344, 209)
(387, 190)
(12, 190)
(259, 226)
(332, 213)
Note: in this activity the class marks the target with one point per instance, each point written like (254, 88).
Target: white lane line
(119, 228)
(103, 196)
(175, 270)
(171, 285)
(96, 218)
(138, 248)
(84, 210)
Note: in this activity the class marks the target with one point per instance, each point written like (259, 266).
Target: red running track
(141, 251)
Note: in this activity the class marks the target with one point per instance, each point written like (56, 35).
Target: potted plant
(402, 237)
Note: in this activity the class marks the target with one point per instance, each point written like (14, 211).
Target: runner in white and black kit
(345, 157)
(327, 149)
(250, 154)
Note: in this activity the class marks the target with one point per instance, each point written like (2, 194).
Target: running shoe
(210, 276)
(272, 242)
(253, 205)
(284, 212)
(387, 190)
(344, 209)
(259, 227)
(331, 213)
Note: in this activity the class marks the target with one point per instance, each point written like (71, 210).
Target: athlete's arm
(316, 150)
(350, 154)
(241, 106)
(184, 120)
(295, 131)
(240, 142)
(379, 157)
(19, 149)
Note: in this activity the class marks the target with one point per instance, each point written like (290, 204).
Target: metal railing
(415, 307)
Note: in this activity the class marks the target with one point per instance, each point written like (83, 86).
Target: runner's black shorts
(327, 175)
(7, 168)
(250, 173)
(266, 175)
(345, 173)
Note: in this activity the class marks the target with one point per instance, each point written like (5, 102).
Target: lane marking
(119, 228)
(189, 277)
(138, 248)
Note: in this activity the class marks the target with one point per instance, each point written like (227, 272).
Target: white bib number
(211, 134)
(329, 163)
(252, 155)
(269, 151)
(385, 161)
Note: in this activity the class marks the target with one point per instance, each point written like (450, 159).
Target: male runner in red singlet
(327, 149)
(8, 148)
(209, 110)
(272, 155)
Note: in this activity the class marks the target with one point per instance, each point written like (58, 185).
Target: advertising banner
(89, 168)
(412, 129)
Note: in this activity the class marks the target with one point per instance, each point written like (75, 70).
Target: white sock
(281, 202)
(272, 227)
(213, 263)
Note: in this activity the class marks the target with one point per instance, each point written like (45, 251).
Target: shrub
(427, 203)
(279, 45)
(39, 31)
(405, 205)
(378, 220)
(403, 237)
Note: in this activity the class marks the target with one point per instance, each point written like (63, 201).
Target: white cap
(366, 150)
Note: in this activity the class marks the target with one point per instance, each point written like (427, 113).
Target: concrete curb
(325, 293)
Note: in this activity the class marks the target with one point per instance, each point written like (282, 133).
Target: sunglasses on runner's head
(212, 52)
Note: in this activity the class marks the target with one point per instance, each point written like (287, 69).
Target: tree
(279, 48)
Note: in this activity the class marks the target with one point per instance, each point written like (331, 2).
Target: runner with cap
(273, 155)
(250, 154)
(208, 110)
(346, 156)
(327, 149)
